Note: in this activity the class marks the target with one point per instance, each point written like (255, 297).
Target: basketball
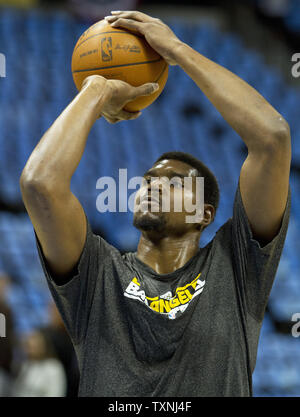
(116, 53)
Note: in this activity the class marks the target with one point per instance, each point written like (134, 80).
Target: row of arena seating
(38, 87)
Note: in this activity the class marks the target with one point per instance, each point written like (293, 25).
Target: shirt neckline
(165, 277)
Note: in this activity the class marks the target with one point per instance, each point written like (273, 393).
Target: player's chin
(149, 221)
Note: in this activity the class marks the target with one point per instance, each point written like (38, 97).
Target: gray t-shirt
(190, 333)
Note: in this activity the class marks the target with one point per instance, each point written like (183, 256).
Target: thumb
(146, 89)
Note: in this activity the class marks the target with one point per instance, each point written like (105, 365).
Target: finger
(128, 24)
(142, 17)
(92, 78)
(111, 19)
(145, 90)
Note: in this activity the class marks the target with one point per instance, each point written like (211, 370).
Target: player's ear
(208, 216)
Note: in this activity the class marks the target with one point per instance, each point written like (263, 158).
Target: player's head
(150, 215)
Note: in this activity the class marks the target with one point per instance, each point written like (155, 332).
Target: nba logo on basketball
(2, 66)
(106, 49)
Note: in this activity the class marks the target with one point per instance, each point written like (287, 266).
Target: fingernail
(115, 11)
(156, 86)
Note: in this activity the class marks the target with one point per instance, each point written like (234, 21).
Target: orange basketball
(116, 53)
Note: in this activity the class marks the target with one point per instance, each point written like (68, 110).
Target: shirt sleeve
(255, 266)
(74, 299)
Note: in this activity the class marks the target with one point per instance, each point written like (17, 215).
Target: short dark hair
(211, 187)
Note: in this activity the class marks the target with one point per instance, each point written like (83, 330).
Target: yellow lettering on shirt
(174, 302)
(188, 294)
(164, 306)
(182, 297)
(136, 281)
(155, 306)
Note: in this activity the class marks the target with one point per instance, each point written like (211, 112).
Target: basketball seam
(116, 66)
(102, 33)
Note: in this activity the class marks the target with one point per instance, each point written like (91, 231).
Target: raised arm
(264, 177)
(56, 214)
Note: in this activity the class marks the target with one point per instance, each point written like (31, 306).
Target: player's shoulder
(223, 235)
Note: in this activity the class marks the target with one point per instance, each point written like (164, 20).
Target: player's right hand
(117, 94)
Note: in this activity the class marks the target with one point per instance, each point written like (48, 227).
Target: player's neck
(167, 254)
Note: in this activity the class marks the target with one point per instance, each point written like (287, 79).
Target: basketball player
(171, 319)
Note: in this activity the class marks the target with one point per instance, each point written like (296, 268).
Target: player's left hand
(159, 36)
